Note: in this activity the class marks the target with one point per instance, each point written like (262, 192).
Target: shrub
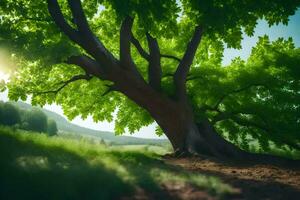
(9, 114)
(35, 120)
(52, 127)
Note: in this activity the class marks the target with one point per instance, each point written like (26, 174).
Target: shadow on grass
(153, 175)
(32, 171)
(139, 166)
(31, 168)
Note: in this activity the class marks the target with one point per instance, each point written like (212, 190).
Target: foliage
(9, 114)
(253, 99)
(51, 127)
(35, 120)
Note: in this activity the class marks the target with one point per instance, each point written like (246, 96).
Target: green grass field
(35, 166)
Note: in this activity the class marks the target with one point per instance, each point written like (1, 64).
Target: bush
(32, 120)
(35, 120)
(9, 114)
(52, 128)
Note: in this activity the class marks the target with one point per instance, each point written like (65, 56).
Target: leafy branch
(66, 83)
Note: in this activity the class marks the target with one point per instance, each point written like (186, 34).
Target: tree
(52, 128)
(144, 59)
(35, 120)
(9, 114)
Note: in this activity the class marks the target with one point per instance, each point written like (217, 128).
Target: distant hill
(65, 126)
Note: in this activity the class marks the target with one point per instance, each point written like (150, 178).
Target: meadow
(36, 166)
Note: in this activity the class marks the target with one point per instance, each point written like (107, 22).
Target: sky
(274, 32)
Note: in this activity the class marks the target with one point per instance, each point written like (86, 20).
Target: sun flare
(6, 65)
(3, 76)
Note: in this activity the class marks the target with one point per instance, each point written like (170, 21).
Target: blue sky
(274, 32)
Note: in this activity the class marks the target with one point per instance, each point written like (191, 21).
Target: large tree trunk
(177, 121)
(222, 147)
(187, 137)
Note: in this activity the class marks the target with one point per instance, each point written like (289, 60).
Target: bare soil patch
(250, 181)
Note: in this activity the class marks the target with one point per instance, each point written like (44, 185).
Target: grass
(34, 166)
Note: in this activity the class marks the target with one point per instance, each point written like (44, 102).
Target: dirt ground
(250, 181)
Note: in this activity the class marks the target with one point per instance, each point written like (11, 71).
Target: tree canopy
(258, 98)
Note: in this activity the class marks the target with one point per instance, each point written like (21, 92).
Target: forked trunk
(177, 122)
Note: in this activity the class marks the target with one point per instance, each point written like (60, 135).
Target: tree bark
(176, 120)
(189, 138)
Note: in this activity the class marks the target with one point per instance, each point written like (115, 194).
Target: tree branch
(236, 91)
(154, 69)
(191, 78)
(57, 16)
(110, 88)
(65, 83)
(90, 42)
(170, 56)
(125, 42)
(89, 65)
(207, 107)
(234, 115)
(80, 18)
(272, 133)
(224, 115)
(139, 47)
(83, 36)
(168, 75)
(185, 64)
(25, 18)
(248, 123)
(125, 47)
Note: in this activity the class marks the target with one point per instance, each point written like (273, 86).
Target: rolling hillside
(36, 166)
(65, 126)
